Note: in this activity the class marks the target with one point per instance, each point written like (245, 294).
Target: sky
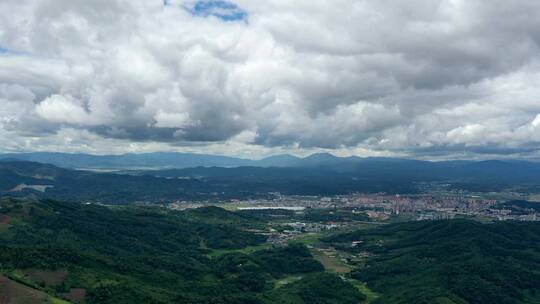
(449, 79)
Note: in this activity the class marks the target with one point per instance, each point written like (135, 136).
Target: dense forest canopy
(149, 255)
(450, 261)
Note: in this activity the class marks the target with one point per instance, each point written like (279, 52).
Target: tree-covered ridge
(42, 181)
(454, 261)
(143, 255)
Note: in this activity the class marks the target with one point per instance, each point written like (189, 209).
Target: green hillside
(85, 253)
(95, 254)
(450, 261)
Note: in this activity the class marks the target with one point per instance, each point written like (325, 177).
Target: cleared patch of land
(287, 280)
(330, 260)
(5, 219)
(40, 188)
(370, 294)
(12, 292)
(49, 278)
(249, 249)
(75, 295)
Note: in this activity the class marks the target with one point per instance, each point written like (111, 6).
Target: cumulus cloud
(418, 78)
(63, 109)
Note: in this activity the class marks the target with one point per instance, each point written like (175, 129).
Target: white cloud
(381, 78)
(63, 110)
(172, 120)
(469, 134)
(536, 122)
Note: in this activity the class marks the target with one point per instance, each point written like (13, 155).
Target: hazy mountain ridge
(155, 160)
(175, 160)
(124, 161)
(376, 169)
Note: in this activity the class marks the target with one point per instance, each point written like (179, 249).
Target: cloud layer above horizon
(429, 79)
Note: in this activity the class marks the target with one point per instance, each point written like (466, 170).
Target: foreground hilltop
(87, 253)
(452, 261)
(52, 252)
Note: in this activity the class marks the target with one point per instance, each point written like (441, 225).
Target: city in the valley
(382, 207)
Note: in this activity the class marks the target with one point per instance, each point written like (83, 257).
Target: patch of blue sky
(224, 10)
(8, 51)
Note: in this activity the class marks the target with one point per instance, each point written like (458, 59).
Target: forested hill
(453, 261)
(87, 253)
(31, 179)
(37, 180)
(52, 250)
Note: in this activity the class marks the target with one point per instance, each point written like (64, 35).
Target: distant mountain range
(157, 160)
(491, 173)
(129, 161)
(174, 160)
(170, 164)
